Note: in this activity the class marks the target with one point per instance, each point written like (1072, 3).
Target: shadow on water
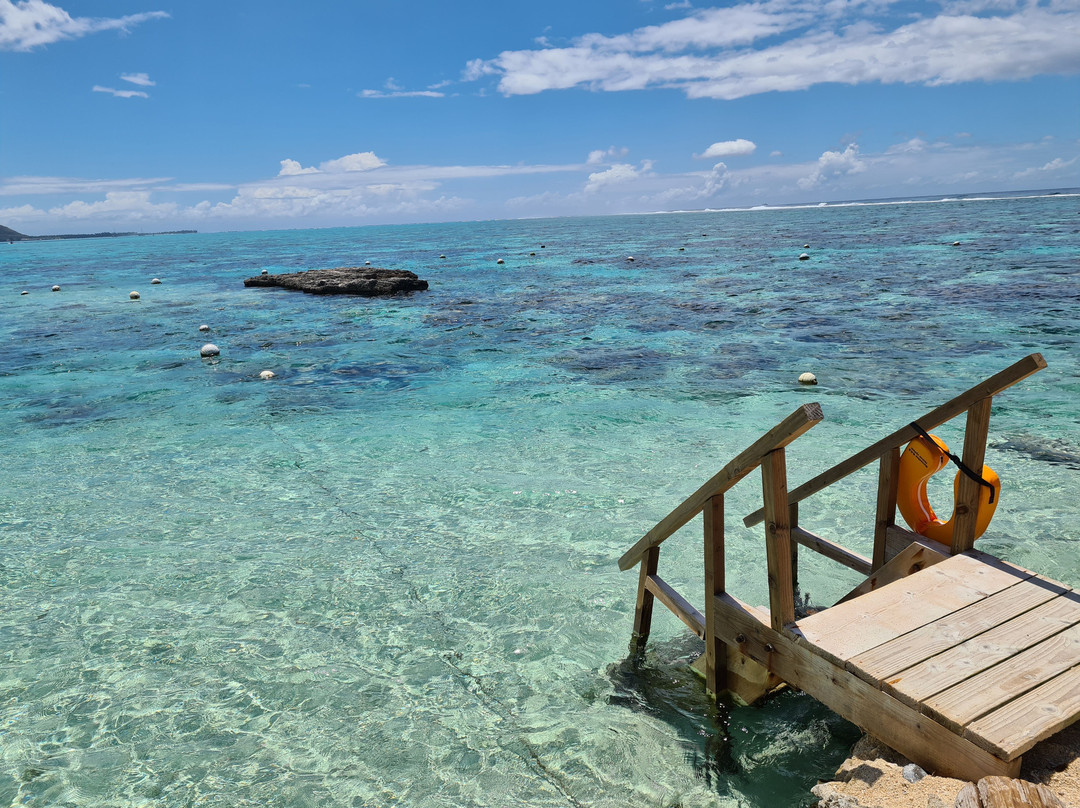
(769, 754)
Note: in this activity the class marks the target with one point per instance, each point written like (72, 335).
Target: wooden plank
(904, 652)
(946, 412)
(1005, 792)
(1035, 716)
(829, 549)
(916, 736)
(778, 539)
(805, 417)
(888, 475)
(960, 705)
(681, 608)
(968, 491)
(897, 539)
(716, 680)
(910, 561)
(966, 660)
(644, 607)
(877, 617)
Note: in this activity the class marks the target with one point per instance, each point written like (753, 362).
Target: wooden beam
(918, 737)
(778, 539)
(888, 476)
(644, 607)
(987, 389)
(969, 491)
(679, 606)
(897, 539)
(715, 650)
(779, 436)
(829, 549)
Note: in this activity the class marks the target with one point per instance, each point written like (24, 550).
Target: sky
(246, 115)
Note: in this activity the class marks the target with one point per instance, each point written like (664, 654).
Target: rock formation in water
(365, 281)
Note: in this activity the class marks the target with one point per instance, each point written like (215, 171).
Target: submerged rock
(364, 281)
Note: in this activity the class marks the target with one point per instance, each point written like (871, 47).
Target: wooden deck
(955, 658)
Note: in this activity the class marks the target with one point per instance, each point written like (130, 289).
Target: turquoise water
(387, 576)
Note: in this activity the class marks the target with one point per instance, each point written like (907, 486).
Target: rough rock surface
(365, 281)
(873, 776)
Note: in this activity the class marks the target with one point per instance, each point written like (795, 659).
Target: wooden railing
(780, 513)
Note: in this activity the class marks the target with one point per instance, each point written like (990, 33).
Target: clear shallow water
(388, 576)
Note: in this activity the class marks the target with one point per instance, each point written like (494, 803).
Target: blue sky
(236, 115)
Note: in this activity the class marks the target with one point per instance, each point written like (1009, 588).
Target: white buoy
(156, 281)
(500, 261)
(629, 258)
(956, 243)
(266, 374)
(209, 349)
(266, 272)
(367, 263)
(56, 288)
(806, 246)
(807, 378)
(204, 327)
(133, 295)
(24, 292)
(442, 256)
(804, 257)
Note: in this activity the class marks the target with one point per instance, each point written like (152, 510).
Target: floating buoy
(367, 263)
(442, 256)
(24, 292)
(956, 243)
(133, 295)
(804, 257)
(209, 349)
(500, 261)
(806, 246)
(266, 272)
(629, 258)
(204, 327)
(807, 378)
(156, 281)
(266, 374)
(56, 288)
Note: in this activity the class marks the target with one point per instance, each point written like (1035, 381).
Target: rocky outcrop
(365, 281)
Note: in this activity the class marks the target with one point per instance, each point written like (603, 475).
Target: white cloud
(133, 206)
(728, 148)
(120, 93)
(618, 174)
(714, 53)
(598, 156)
(361, 161)
(291, 168)
(401, 94)
(31, 23)
(142, 79)
(1057, 164)
(833, 164)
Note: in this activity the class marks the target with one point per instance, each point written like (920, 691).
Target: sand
(873, 776)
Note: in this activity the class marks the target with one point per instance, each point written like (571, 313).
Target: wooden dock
(958, 660)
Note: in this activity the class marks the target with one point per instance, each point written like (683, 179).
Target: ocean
(387, 576)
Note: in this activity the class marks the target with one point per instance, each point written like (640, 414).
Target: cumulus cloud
(361, 161)
(618, 174)
(120, 93)
(732, 52)
(32, 23)
(833, 164)
(291, 168)
(728, 148)
(142, 79)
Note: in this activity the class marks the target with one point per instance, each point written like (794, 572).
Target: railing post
(643, 612)
(888, 477)
(778, 539)
(968, 491)
(715, 650)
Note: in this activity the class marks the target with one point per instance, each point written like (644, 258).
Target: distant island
(11, 236)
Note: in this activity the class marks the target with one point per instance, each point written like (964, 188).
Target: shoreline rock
(873, 777)
(363, 281)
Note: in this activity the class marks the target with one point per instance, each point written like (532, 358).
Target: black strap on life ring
(960, 463)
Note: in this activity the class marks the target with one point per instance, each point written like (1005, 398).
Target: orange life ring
(921, 461)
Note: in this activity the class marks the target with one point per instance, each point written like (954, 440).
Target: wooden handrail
(779, 436)
(946, 412)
